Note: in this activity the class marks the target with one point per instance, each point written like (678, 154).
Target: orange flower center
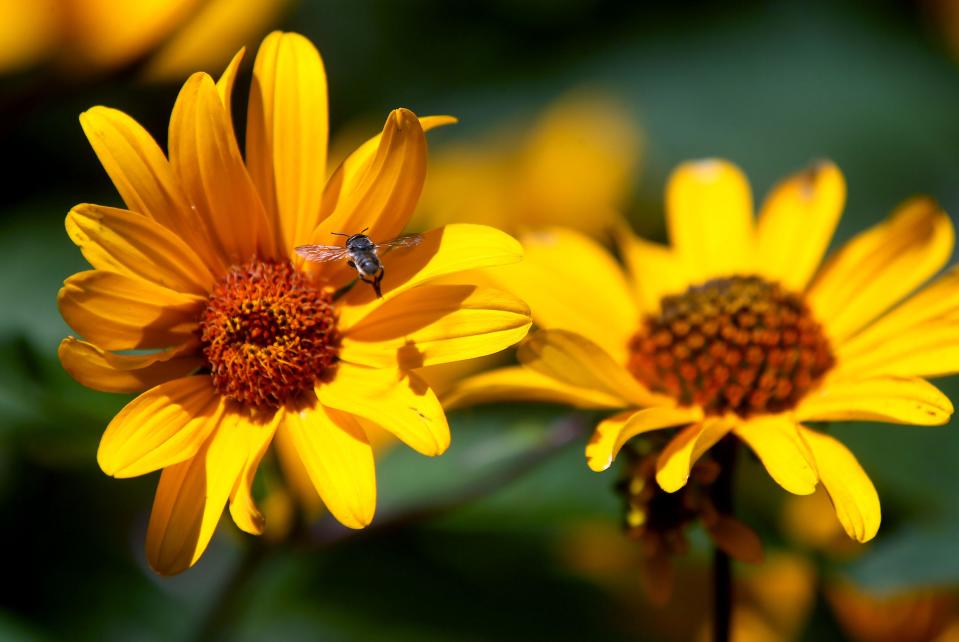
(268, 334)
(738, 344)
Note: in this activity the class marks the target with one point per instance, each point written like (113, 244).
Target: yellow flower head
(737, 328)
(245, 341)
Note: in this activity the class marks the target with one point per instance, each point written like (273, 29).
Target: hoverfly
(362, 254)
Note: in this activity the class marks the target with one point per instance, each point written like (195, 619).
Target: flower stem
(722, 497)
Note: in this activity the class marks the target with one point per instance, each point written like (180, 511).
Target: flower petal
(191, 495)
(612, 433)
(797, 222)
(246, 515)
(881, 266)
(435, 324)
(386, 190)
(572, 283)
(119, 312)
(775, 440)
(899, 400)
(577, 361)
(164, 426)
(400, 403)
(443, 251)
(339, 460)
(287, 133)
(677, 459)
(655, 270)
(522, 384)
(852, 493)
(111, 372)
(709, 212)
(127, 243)
(142, 175)
(207, 161)
(919, 338)
(224, 86)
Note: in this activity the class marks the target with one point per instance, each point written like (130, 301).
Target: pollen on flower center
(738, 344)
(268, 334)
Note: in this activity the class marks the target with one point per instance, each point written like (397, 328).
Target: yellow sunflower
(245, 341)
(737, 328)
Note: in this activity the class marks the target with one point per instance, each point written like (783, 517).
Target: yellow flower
(572, 167)
(247, 341)
(90, 35)
(736, 328)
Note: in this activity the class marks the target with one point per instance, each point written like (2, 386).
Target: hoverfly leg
(376, 283)
(351, 264)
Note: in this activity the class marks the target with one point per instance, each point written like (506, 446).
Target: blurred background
(508, 536)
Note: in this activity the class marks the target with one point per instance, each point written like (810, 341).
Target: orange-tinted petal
(207, 161)
(435, 324)
(246, 515)
(400, 403)
(119, 312)
(899, 400)
(684, 450)
(111, 372)
(797, 222)
(852, 493)
(522, 384)
(881, 266)
(775, 440)
(709, 212)
(127, 243)
(164, 426)
(191, 495)
(224, 87)
(339, 460)
(612, 433)
(287, 133)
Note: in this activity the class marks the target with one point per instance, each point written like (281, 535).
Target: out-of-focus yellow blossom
(917, 615)
(574, 166)
(86, 36)
(740, 328)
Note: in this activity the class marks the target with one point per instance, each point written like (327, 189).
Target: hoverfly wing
(403, 241)
(321, 253)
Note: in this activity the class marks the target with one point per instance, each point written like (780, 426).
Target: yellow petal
(339, 460)
(685, 449)
(224, 87)
(655, 270)
(572, 283)
(143, 176)
(775, 440)
(523, 384)
(207, 161)
(191, 495)
(797, 222)
(127, 243)
(295, 475)
(852, 493)
(709, 212)
(287, 132)
(899, 400)
(881, 266)
(611, 434)
(400, 403)
(111, 372)
(435, 324)
(577, 361)
(443, 251)
(164, 426)
(119, 312)
(919, 338)
(386, 188)
(246, 515)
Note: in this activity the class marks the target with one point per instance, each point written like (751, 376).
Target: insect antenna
(339, 234)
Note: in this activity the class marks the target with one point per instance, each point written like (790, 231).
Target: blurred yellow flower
(917, 615)
(91, 35)
(573, 167)
(247, 342)
(736, 328)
